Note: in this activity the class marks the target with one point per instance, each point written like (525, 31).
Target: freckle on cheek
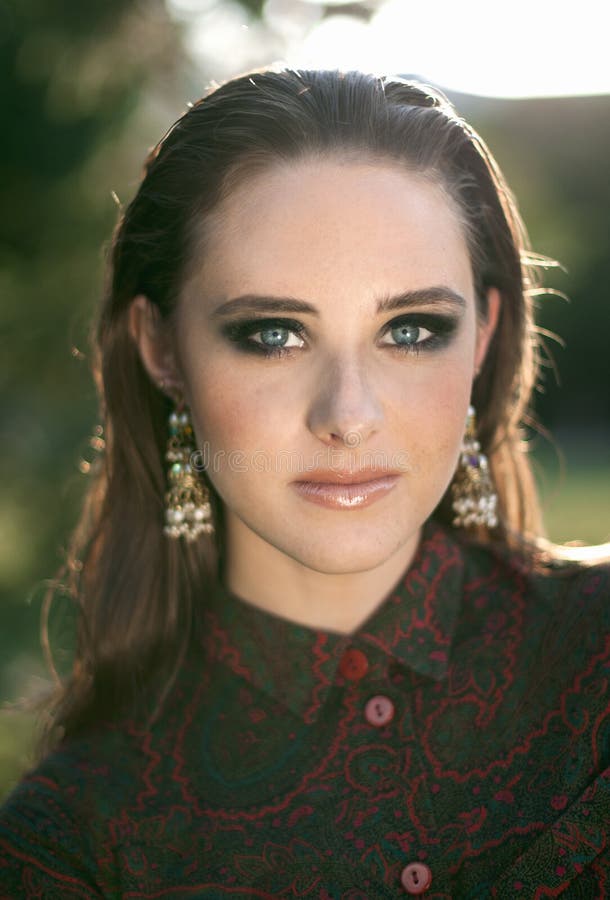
(225, 422)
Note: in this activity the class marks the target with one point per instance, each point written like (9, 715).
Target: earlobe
(487, 328)
(153, 343)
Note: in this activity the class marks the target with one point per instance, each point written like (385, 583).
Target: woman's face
(335, 384)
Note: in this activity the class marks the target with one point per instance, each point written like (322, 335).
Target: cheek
(228, 413)
(435, 424)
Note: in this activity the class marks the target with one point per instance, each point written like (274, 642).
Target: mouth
(352, 494)
(346, 476)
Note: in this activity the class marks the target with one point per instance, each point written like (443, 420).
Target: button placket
(379, 710)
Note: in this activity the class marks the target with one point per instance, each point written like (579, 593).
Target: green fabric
(265, 778)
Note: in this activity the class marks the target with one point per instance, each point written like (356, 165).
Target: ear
(154, 344)
(487, 328)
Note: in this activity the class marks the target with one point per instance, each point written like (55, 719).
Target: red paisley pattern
(265, 777)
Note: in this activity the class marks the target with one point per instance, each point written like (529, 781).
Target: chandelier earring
(474, 497)
(188, 512)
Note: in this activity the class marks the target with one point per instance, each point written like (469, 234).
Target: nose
(345, 409)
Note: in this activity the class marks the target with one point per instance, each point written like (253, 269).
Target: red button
(416, 878)
(354, 664)
(379, 710)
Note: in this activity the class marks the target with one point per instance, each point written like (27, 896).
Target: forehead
(320, 226)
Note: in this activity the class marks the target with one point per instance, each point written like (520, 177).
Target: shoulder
(543, 571)
(559, 608)
(61, 825)
(54, 824)
(43, 834)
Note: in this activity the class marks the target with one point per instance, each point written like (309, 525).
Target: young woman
(323, 650)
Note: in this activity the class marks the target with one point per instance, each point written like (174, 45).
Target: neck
(266, 577)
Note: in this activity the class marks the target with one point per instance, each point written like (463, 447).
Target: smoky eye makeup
(274, 333)
(420, 332)
(278, 336)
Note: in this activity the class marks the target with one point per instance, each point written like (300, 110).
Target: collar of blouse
(409, 636)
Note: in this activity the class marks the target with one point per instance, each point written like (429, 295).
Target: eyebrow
(261, 303)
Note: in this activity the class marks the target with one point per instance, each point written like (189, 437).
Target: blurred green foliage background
(86, 89)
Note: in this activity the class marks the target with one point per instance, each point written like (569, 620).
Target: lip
(345, 476)
(345, 495)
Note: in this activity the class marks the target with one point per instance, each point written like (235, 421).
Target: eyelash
(441, 328)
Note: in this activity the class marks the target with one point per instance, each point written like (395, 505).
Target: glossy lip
(348, 495)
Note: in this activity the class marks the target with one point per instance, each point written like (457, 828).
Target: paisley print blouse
(457, 745)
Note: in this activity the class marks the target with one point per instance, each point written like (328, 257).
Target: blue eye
(274, 336)
(408, 334)
(417, 332)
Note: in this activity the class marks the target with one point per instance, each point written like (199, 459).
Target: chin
(352, 556)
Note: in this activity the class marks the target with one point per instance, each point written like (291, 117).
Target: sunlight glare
(517, 50)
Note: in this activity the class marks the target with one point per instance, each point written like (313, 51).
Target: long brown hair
(138, 594)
